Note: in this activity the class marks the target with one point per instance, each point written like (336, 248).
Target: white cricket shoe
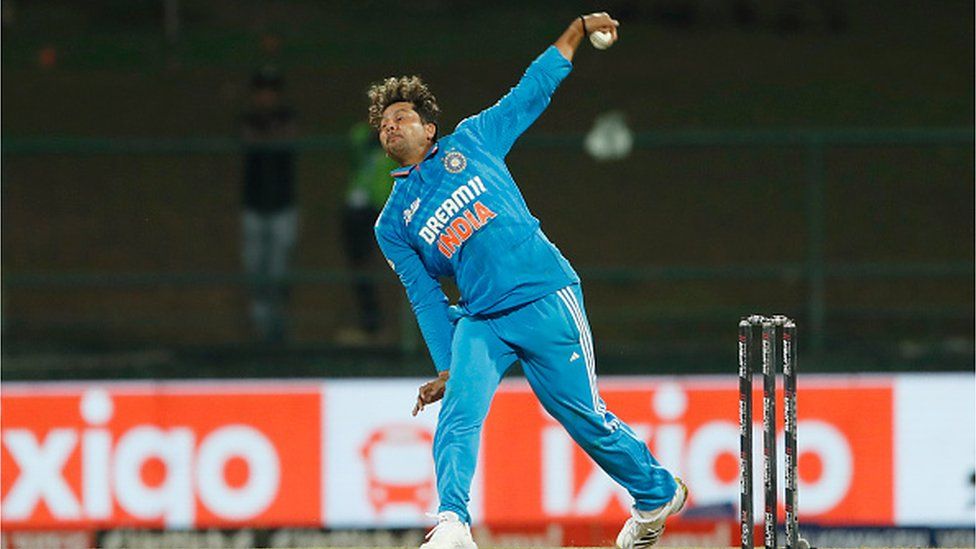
(644, 528)
(449, 533)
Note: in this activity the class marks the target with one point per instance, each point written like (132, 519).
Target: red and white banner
(873, 450)
(845, 458)
(174, 455)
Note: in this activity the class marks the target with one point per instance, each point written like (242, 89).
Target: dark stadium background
(822, 169)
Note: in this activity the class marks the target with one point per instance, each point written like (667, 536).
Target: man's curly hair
(405, 88)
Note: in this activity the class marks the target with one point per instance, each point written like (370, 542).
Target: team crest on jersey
(455, 162)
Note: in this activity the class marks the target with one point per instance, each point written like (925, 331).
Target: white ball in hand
(601, 40)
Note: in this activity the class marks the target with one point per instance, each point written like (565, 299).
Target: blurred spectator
(270, 219)
(369, 187)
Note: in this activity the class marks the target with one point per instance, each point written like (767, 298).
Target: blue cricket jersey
(459, 214)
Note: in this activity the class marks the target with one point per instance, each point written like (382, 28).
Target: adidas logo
(574, 356)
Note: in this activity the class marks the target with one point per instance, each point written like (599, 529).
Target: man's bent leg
(478, 361)
(553, 340)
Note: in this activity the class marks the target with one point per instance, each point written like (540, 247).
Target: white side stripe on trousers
(586, 344)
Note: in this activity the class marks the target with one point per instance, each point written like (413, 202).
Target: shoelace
(651, 535)
(440, 520)
(649, 538)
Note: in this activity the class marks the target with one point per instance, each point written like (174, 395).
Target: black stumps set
(770, 341)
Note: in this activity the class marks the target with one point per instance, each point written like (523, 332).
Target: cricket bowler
(455, 211)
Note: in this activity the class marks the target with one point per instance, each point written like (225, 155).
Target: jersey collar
(404, 171)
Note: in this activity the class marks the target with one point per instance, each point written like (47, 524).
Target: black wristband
(583, 21)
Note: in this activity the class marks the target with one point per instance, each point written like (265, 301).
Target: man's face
(403, 134)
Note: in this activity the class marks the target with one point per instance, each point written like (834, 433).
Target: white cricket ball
(601, 40)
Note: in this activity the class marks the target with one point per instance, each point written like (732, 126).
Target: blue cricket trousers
(551, 337)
